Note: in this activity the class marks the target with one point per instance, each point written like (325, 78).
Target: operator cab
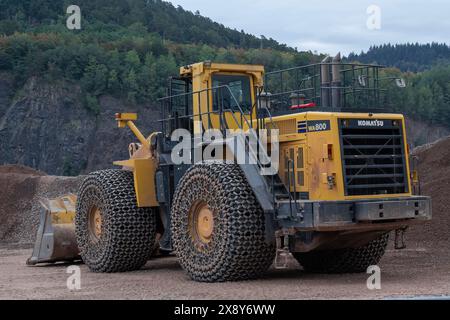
(212, 96)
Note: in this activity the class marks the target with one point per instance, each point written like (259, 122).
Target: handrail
(239, 109)
(274, 125)
(317, 82)
(362, 65)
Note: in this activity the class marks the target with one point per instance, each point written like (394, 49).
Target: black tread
(128, 232)
(350, 260)
(238, 250)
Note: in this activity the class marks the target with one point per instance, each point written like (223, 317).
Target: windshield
(239, 89)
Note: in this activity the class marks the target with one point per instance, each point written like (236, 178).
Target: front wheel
(113, 233)
(218, 227)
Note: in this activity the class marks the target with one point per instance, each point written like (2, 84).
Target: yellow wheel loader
(250, 168)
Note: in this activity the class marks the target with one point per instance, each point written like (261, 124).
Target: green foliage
(138, 16)
(406, 57)
(95, 77)
(125, 62)
(8, 27)
(132, 86)
(92, 104)
(426, 96)
(128, 49)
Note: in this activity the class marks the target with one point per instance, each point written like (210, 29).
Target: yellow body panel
(143, 163)
(126, 116)
(144, 180)
(318, 164)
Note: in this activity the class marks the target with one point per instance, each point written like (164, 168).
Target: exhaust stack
(336, 82)
(325, 82)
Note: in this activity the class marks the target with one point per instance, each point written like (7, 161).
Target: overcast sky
(329, 26)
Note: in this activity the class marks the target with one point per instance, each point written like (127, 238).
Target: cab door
(231, 94)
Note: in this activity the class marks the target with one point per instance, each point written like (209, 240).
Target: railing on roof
(327, 86)
(178, 113)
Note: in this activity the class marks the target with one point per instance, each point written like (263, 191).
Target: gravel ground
(418, 271)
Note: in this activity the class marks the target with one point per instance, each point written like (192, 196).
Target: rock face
(6, 92)
(48, 128)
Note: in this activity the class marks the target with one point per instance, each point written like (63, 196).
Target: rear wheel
(349, 260)
(113, 234)
(218, 227)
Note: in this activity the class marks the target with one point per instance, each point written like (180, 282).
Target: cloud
(329, 26)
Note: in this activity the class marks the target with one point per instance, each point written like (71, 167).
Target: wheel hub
(202, 222)
(95, 223)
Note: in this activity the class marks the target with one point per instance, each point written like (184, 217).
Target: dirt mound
(22, 187)
(434, 170)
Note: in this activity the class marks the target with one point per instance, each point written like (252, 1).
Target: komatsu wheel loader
(343, 183)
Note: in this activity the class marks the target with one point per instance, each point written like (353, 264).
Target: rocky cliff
(46, 126)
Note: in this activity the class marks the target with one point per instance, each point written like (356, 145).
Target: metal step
(369, 176)
(384, 156)
(375, 186)
(370, 136)
(379, 146)
(373, 166)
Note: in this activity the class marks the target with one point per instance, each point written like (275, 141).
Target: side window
(230, 92)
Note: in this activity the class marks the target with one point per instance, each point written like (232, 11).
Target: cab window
(239, 92)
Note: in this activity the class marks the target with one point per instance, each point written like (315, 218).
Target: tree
(95, 77)
(8, 27)
(147, 79)
(132, 59)
(113, 83)
(92, 104)
(131, 86)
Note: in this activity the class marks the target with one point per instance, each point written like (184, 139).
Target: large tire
(349, 260)
(237, 249)
(127, 234)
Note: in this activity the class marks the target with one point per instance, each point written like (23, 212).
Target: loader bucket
(55, 239)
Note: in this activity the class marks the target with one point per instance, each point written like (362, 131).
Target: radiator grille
(373, 158)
